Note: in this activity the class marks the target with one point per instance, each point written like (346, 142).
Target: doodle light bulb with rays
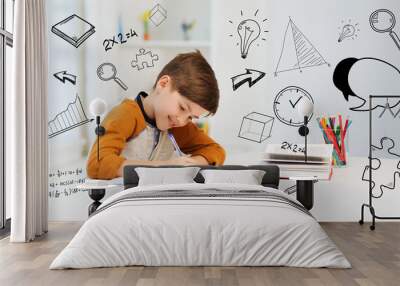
(347, 32)
(249, 31)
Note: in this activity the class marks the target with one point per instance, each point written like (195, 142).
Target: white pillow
(248, 177)
(162, 176)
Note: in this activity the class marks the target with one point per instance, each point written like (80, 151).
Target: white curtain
(26, 117)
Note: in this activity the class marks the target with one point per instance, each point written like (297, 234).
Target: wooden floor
(375, 257)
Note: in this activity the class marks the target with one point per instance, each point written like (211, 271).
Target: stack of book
(292, 163)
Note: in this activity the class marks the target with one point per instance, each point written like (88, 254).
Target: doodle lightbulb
(347, 32)
(249, 31)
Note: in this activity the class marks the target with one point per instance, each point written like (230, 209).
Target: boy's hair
(194, 79)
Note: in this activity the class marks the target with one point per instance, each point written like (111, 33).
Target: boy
(145, 131)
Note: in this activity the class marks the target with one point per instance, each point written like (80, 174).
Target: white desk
(304, 181)
(97, 190)
(253, 158)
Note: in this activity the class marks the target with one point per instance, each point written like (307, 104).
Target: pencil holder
(339, 155)
(337, 135)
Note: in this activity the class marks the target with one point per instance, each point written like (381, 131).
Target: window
(6, 44)
(9, 19)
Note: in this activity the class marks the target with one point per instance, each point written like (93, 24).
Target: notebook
(74, 30)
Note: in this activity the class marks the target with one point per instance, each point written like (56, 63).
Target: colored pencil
(335, 134)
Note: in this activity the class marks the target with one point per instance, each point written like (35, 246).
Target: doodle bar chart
(72, 117)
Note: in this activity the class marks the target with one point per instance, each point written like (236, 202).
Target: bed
(201, 224)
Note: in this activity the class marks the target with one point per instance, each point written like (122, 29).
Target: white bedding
(236, 229)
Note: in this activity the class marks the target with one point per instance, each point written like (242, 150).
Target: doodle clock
(285, 105)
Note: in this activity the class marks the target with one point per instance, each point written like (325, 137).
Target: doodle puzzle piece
(144, 59)
(387, 179)
(375, 165)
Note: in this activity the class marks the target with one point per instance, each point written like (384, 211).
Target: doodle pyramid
(297, 51)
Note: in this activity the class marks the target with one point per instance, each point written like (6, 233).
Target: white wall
(341, 198)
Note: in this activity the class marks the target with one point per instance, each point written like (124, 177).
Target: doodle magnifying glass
(107, 71)
(383, 21)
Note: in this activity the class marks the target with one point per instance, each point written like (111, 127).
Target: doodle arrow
(251, 76)
(63, 76)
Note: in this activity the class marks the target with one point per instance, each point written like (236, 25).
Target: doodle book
(74, 30)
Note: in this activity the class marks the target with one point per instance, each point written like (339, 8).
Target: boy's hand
(183, 160)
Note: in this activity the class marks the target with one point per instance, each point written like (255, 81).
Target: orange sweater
(125, 122)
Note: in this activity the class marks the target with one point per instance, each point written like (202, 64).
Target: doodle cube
(256, 127)
(158, 14)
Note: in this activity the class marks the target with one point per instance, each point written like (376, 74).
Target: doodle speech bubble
(359, 78)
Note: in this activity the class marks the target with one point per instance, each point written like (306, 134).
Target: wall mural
(64, 76)
(158, 14)
(73, 116)
(387, 180)
(251, 76)
(341, 79)
(62, 182)
(384, 21)
(293, 147)
(248, 31)
(297, 51)
(348, 30)
(389, 109)
(256, 127)
(144, 59)
(285, 105)
(74, 30)
(121, 38)
(107, 71)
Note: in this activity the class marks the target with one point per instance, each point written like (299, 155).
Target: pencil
(177, 149)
